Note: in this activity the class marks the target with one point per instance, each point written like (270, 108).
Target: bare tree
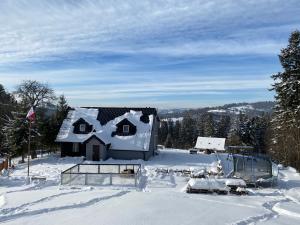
(32, 93)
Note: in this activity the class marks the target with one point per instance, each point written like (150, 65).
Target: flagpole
(28, 154)
(30, 116)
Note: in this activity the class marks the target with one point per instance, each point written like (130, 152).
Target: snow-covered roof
(138, 142)
(211, 143)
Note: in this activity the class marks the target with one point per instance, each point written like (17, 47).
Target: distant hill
(250, 109)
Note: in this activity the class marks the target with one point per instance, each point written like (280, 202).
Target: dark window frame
(82, 125)
(126, 131)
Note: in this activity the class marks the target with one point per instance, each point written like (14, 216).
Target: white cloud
(119, 89)
(41, 29)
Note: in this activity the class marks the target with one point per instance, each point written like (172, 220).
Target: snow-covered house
(210, 143)
(109, 132)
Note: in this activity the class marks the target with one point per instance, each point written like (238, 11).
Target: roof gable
(94, 136)
(80, 121)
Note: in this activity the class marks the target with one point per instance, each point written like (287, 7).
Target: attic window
(82, 127)
(126, 129)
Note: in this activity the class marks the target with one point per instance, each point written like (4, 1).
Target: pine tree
(162, 132)
(199, 125)
(243, 130)
(208, 125)
(62, 109)
(16, 134)
(233, 139)
(286, 119)
(223, 127)
(257, 131)
(187, 132)
(176, 134)
(7, 105)
(169, 141)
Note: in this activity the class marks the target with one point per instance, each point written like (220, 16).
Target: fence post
(110, 179)
(98, 168)
(135, 180)
(86, 179)
(78, 169)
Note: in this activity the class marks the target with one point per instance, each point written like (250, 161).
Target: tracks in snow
(13, 213)
(264, 217)
(7, 211)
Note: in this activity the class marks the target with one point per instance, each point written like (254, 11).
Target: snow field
(161, 199)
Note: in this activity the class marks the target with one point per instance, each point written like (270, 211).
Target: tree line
(277, 135)
(14, 128)
(238, 130)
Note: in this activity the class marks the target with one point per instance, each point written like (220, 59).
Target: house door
(96, 152)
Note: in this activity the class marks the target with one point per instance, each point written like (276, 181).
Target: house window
(82, 127)
(75, 147)
(126, 129)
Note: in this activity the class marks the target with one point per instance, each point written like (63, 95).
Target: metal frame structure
(96, 174)
(256, 169)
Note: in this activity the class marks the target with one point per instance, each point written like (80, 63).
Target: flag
(31, 115)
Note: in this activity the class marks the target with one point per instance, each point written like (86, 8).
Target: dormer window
(125, 129)
(82, 127)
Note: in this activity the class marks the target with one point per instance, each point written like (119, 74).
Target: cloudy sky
(170, 53)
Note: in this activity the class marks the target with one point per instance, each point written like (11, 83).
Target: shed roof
(211, 143)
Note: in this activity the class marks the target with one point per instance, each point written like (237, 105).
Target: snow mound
(287, 208)
(293, 194)
(207, 184)
(2, 200)
(235, 182)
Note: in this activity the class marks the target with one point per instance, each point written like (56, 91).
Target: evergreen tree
(199, 124)
(244, 129)
(7, 105)
(169, 141)
(223, 127)
(286, 119)
(176, 135)
(16, 134)
(208, 125)
(62, 109)
(162, 132)
(187, 132)
(233, 139)
(257, 130)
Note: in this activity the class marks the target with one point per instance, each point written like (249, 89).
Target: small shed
(210, 143)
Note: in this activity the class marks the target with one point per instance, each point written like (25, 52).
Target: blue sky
(146, 53)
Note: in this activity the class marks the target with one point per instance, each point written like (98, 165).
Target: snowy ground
(159, 200)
